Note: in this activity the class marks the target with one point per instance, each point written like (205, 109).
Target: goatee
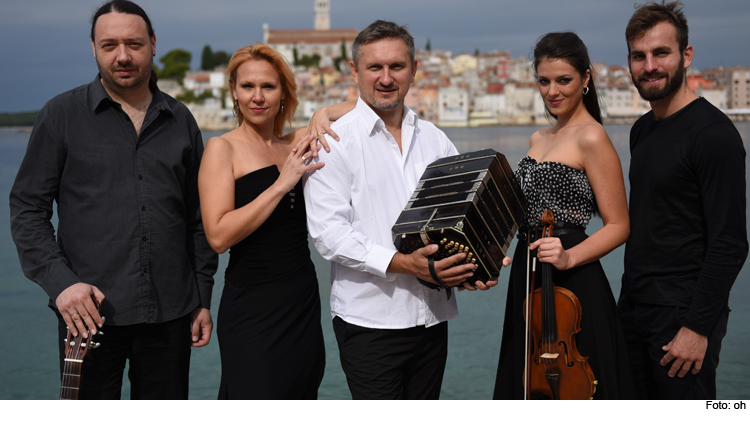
(389, 106)
(134, 83)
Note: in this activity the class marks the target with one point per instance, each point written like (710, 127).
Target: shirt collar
(373, 122)
(99, 95)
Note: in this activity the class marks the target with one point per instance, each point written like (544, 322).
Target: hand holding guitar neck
(78, 305)
(76, 349)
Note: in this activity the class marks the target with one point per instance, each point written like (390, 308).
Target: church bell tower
(322, 15)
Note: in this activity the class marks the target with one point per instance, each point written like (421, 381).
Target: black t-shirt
(688, 237)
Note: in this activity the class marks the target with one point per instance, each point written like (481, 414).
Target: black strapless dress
(567, 192)
(268, 325)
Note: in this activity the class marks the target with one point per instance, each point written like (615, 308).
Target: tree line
(176, 63)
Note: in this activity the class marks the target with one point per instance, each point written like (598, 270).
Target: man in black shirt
(120, 158)
(688, 239)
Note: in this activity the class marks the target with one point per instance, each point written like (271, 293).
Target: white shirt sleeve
(450, 149)
(330, 216)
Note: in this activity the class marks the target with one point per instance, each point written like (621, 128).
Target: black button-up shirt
(127, 205)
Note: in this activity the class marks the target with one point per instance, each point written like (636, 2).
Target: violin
(554, 369)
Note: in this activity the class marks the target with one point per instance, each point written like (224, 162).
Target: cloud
(46, 41)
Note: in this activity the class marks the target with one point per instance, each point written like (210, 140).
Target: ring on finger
(74, 316)
(322, 132)
(303, 159)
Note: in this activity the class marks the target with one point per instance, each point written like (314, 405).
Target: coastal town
(450, 90)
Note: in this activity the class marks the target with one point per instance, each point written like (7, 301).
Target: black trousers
(159, 356)
(390, 364)
(649, 327)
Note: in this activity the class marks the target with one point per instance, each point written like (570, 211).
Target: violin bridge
(548, 355)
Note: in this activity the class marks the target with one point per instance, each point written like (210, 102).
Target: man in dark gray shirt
(120, 158)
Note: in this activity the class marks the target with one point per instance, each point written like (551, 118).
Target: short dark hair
(121, 6)
(380, 30)
(569, 47)
(646, 16)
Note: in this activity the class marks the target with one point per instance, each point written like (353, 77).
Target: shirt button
(140, 177)
(145, 270)
(143, 208)
(144, 239)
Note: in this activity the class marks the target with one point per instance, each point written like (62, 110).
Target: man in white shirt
(391, 330)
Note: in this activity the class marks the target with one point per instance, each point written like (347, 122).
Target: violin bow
(528, 317)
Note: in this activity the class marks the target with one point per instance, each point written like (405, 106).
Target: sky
(46, 48)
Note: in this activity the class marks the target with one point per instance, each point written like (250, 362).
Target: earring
(236, 109)
(282, 106)
(585, 90)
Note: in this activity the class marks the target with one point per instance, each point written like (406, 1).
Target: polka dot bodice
(557, 187)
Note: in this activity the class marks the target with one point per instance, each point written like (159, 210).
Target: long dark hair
(569, 47)
(121, 6)
(125, 6)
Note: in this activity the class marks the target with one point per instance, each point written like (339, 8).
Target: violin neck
(549, 317)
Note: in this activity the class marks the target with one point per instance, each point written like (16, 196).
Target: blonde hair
(288, 83)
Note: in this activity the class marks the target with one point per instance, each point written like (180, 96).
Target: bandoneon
(466, 203)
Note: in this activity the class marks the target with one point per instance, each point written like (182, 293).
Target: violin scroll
(548, 219)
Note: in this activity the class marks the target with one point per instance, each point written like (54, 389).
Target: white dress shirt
(352, 203)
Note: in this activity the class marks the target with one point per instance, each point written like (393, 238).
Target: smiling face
(258, 92)
(123, 50)
(383, 74)
(560, 85)
(657, 66)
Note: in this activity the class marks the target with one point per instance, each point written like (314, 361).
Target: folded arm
(226, 225)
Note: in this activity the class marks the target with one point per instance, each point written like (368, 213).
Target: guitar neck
(76, 349)
(71, 379)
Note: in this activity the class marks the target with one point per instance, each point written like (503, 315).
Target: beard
(135, 82)
(672, 84)
(390, 105)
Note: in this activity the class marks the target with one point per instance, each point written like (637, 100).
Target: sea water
(29, 367)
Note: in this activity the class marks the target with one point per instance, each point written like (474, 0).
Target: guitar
(76, 349)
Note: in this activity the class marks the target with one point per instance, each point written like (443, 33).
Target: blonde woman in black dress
(270, 338)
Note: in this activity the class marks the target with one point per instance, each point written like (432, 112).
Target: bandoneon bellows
(466, 203)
